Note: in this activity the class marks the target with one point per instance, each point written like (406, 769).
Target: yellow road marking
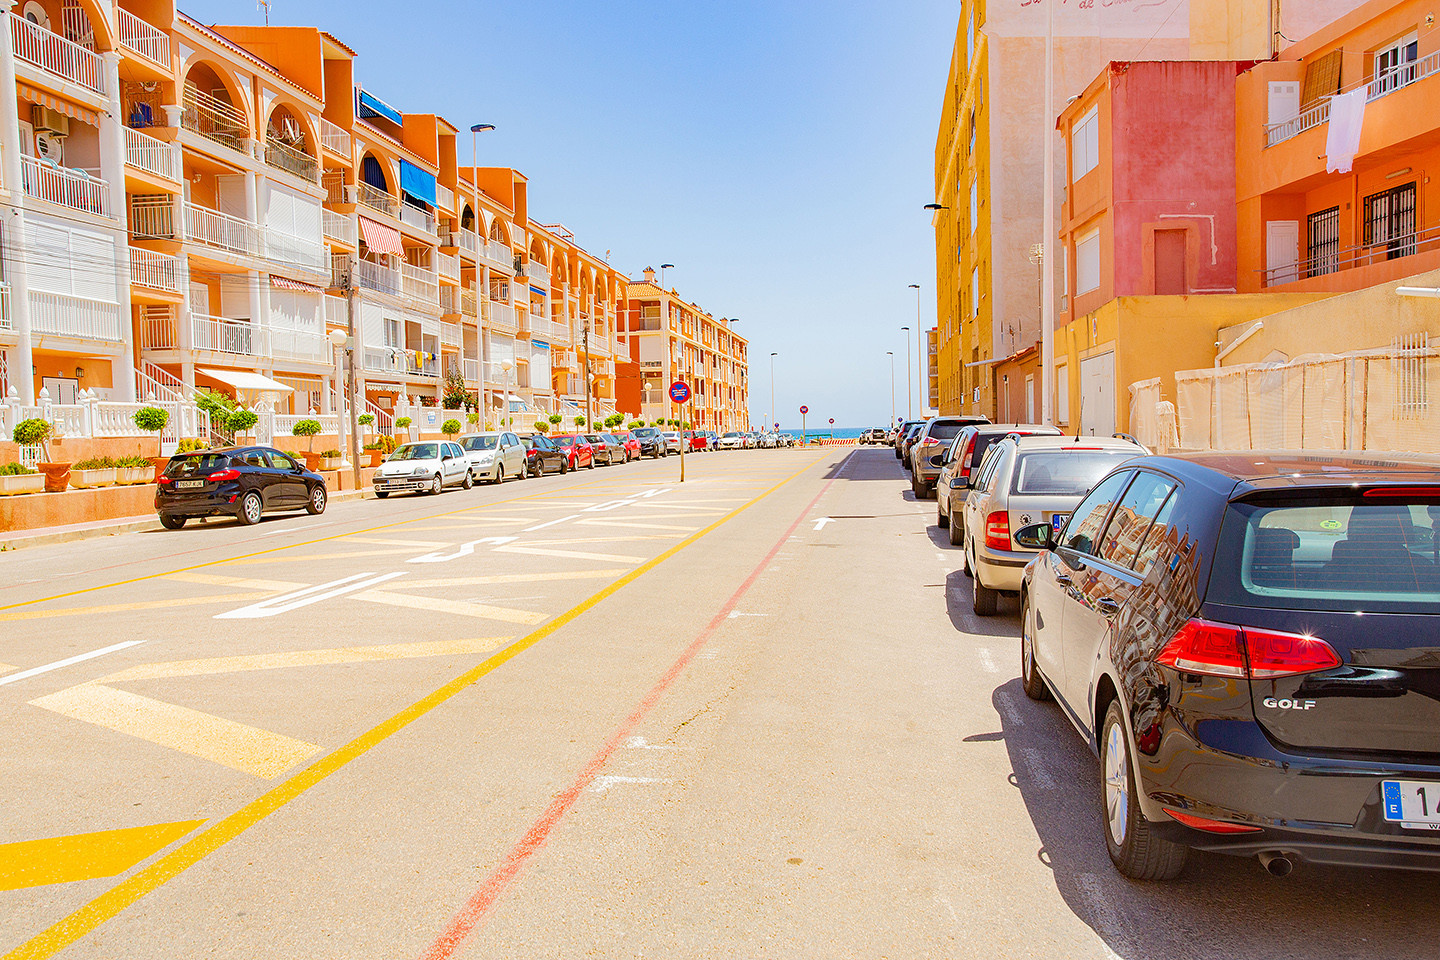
(501, 578)
(389, 541)
(123, 607)
(571, 554)
(84, 856)
(458, 607)
(110, 903)
(6, 668)
(304, 658)
(625, 523)
(235, 745)
(215, 580)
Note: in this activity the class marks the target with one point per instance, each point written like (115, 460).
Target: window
(1390, 221)
(1082, 533)
(392, 332)
(1133, 517)
(974, 205)
(1062, 393)
(975, 292)
(1322, 78)
(1395, 64)
(1322, 242)
(1087, 262)
(1085, 144)
(1160, 536)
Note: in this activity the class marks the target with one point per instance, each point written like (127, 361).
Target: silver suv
(934, 437)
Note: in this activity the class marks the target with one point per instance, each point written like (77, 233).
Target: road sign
(804, 409)
(679, 391)
(832, 421)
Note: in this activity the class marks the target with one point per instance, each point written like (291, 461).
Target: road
(603, 715)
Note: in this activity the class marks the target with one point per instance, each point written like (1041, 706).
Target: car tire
(984, 600)
(564, 466)
(381, 494)
(436, 485)
(1031, 680)
(1137, 853)
(318, 499)
(499, 474)
(468, 482)
(251, 509)
(172, 523)
(592, 461)
(525, 470)
(957, 539)
(941, 520)
(917, 487)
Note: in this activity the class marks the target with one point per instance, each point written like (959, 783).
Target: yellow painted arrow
(84, 856)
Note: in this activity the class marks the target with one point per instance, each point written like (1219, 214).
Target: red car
(698, 441)
(577, 450)
(631, 444)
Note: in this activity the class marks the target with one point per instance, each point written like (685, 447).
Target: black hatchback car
(240, 482)
(542, 456)
(1248, 641)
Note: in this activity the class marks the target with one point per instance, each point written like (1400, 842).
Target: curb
(43, 537)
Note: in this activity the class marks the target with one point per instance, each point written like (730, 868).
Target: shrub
(450, 427)
(541, 426)
(386, 442)
(330, 454)
(241, 421)
(402, 423)
(579, 421)
(32, 431)
(20, 470)
(218, 405)
(555, 418)
(472, 418)
(308, 429)
(134, 460)
(634, 423)
(373, 445)
(365, 419)
(191, 444)
(96, 463)
(151, 419)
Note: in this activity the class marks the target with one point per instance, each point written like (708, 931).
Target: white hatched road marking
(986, 660)
(303, 598)
(542, 526)
(464, 550)
(78, 658)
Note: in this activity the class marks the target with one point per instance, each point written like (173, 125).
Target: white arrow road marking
(456, 607)
(820, 524)
(737, 613)
(542, 526)
(78, 658)
(303, 598)
(606, 781)
(464, 550)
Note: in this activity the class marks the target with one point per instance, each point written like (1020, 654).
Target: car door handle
(1107, 607)
(1062, 580)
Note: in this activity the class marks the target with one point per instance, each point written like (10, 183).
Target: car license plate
(1413, 804)
(188, 484)
(1057, 522)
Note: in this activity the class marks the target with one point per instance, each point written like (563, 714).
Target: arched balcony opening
(288, 146)
(211, 110)
(373, 190)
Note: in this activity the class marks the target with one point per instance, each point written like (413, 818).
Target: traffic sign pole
(804, 434)
(679, 394)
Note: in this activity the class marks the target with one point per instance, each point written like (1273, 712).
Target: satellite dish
(49, 146)
(36, 14)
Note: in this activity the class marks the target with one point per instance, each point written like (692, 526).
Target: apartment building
(189, 205)
(671, 338)
(989, 156)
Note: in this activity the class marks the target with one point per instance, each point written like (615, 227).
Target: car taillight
(1208, 825)
(220, 476)
(930, 442)
(965, 458)
(164, 481)
(1223, 650)
(997, 530)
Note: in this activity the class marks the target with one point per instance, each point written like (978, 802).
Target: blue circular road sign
(679, 391)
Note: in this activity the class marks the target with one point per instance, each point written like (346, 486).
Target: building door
(62, 389)
(1030, 399)
(1282, 251)
(1170, 262)
(1097, 395)
(1284, 101)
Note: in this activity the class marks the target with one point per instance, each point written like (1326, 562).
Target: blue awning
(373, 106)
(420, 184)
(540, 344)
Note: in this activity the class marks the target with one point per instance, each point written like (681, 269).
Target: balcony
(222, 231)
(417, 217)
(140, 37)
(400, 361)
(501, 317)
(1384, 85)
(538, 274)
(300, 345)
(334, 138)
(563, 359)
(544, 329)
(449, 334)
(214, 119)
(71, 188)
(464, 239)
(498, 253)
(5, 322)
(1372, 255)
(449, 265)
(420, 284)
(144, 152)
(282, 156)
(339, 227)
(57, 56)
(469, 304)
(376, 199)
(220, 335)
(471, 370)
(444, 197)
(154, 270)
(67, 316)
(286, 248)
(372, 276)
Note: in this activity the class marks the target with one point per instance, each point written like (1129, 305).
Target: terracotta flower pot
(160, 463)
(312, 460)
(376, 457)
(57, 476)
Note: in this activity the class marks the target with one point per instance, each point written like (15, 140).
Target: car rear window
(945, 431)
(1064, 473)
(199, 463)
(1340, 556)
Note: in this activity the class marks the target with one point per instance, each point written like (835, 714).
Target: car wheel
(172, 523)
(436, 485)
(468, 482)
(957, 539)
(564, 467)
(1030, 679)
(592, 461)
(525, 470)
(1134, 848)
(985, 601)
(499, 474)
(917, 488)
(318, 499)
(381, 494)
(941, 520)
(250, 509)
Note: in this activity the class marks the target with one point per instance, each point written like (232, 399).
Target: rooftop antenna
(264, 5)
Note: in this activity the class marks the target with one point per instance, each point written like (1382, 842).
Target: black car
(1248, 642)
(240, 482)
(542, 456)
(652, 442)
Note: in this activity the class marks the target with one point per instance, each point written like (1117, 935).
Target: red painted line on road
(475, 910)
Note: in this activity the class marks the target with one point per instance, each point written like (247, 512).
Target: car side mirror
(1037, 536)
(938, 460)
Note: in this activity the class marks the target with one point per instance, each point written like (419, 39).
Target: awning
(373, 106)
(55, 103)
(381, 238)
(419, 183)
(285, 283)
(246, 380)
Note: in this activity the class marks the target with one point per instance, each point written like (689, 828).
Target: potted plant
(374, 453)
(473, 419)
(555, 419)
(308, 429)
(190, 445)
(541, 426)
(241, 422)
(93, 472)
(451, 428)
(330, 459)
(402, 423)
(579, 421)
(153, 420)
(37, 432)
(133, 470)
(18, 478)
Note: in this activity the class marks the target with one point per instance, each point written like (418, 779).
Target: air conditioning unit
(43, 118)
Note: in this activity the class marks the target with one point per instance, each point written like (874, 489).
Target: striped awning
(285, 283)
(381, 238)
(55, 103)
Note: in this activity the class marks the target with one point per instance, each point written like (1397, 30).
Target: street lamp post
(663, 268)
(891, 355)
(919, 326)
(1047, 281)
(772, 386)
(505, 397)
(909, 383)
(475, 132)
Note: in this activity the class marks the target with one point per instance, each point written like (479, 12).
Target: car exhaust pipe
(1276, 864)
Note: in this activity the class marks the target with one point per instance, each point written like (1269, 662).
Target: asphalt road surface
(603, 715)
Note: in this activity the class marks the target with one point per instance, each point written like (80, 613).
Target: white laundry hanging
(1347, 116)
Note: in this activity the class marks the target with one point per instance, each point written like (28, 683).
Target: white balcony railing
(221, 335)
(282, 156)
(144, 152)
(464, 239)
(216, 229)
(417, 217)
(469, 304)
(499, 253)
(449, 265)
(375, 276)
(213, 118)
(444, 197)
(338, 226)
(538, 273)
(336, 311)
(450, 334)
(5, 322)
(542, 328)
(282, 247)
(334, 138)
(137, 35)
(375, 198)
(154, 270)
(501, 317)
(472, 370)
(71, 188)
(56, 55)
(564, 359)
(299, 344)
(1319, 112)
(420, 284)
(67, 316)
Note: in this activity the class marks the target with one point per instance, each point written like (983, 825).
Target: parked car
(788, 439)
(731, 441)
(542, 456)
(1246, 642)
(961, 461)
(428, 466)
(631, 443)
(908, 441)
(577, 450)
(606, 448)
(240, 482)
(652, 442)
(495, 456)
(901, 432)
(934, 436)
(1025, 480)
(673, 441)
(873, 435)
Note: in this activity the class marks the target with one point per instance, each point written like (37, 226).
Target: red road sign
(804, 409)
(832, 421)
(679, 391)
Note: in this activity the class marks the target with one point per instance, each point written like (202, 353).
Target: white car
(768, 441)
(494, 456)
(672, 441)
(730, 441)
(1025, 480)
(427, 465)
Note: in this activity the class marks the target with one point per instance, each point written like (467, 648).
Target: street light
(475, 131)
(919, 326)
(909, 382)
(891, 355)
(663, 268)
(772, 387)
(933, 207)
(341, 339)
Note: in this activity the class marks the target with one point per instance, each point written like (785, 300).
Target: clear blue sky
(779, 153)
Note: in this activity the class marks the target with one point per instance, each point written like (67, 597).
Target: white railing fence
(146, 40)
(62, 185)
(155, 270)
(144, 152)
(54, 54)
(67, 316)
(334, 138)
